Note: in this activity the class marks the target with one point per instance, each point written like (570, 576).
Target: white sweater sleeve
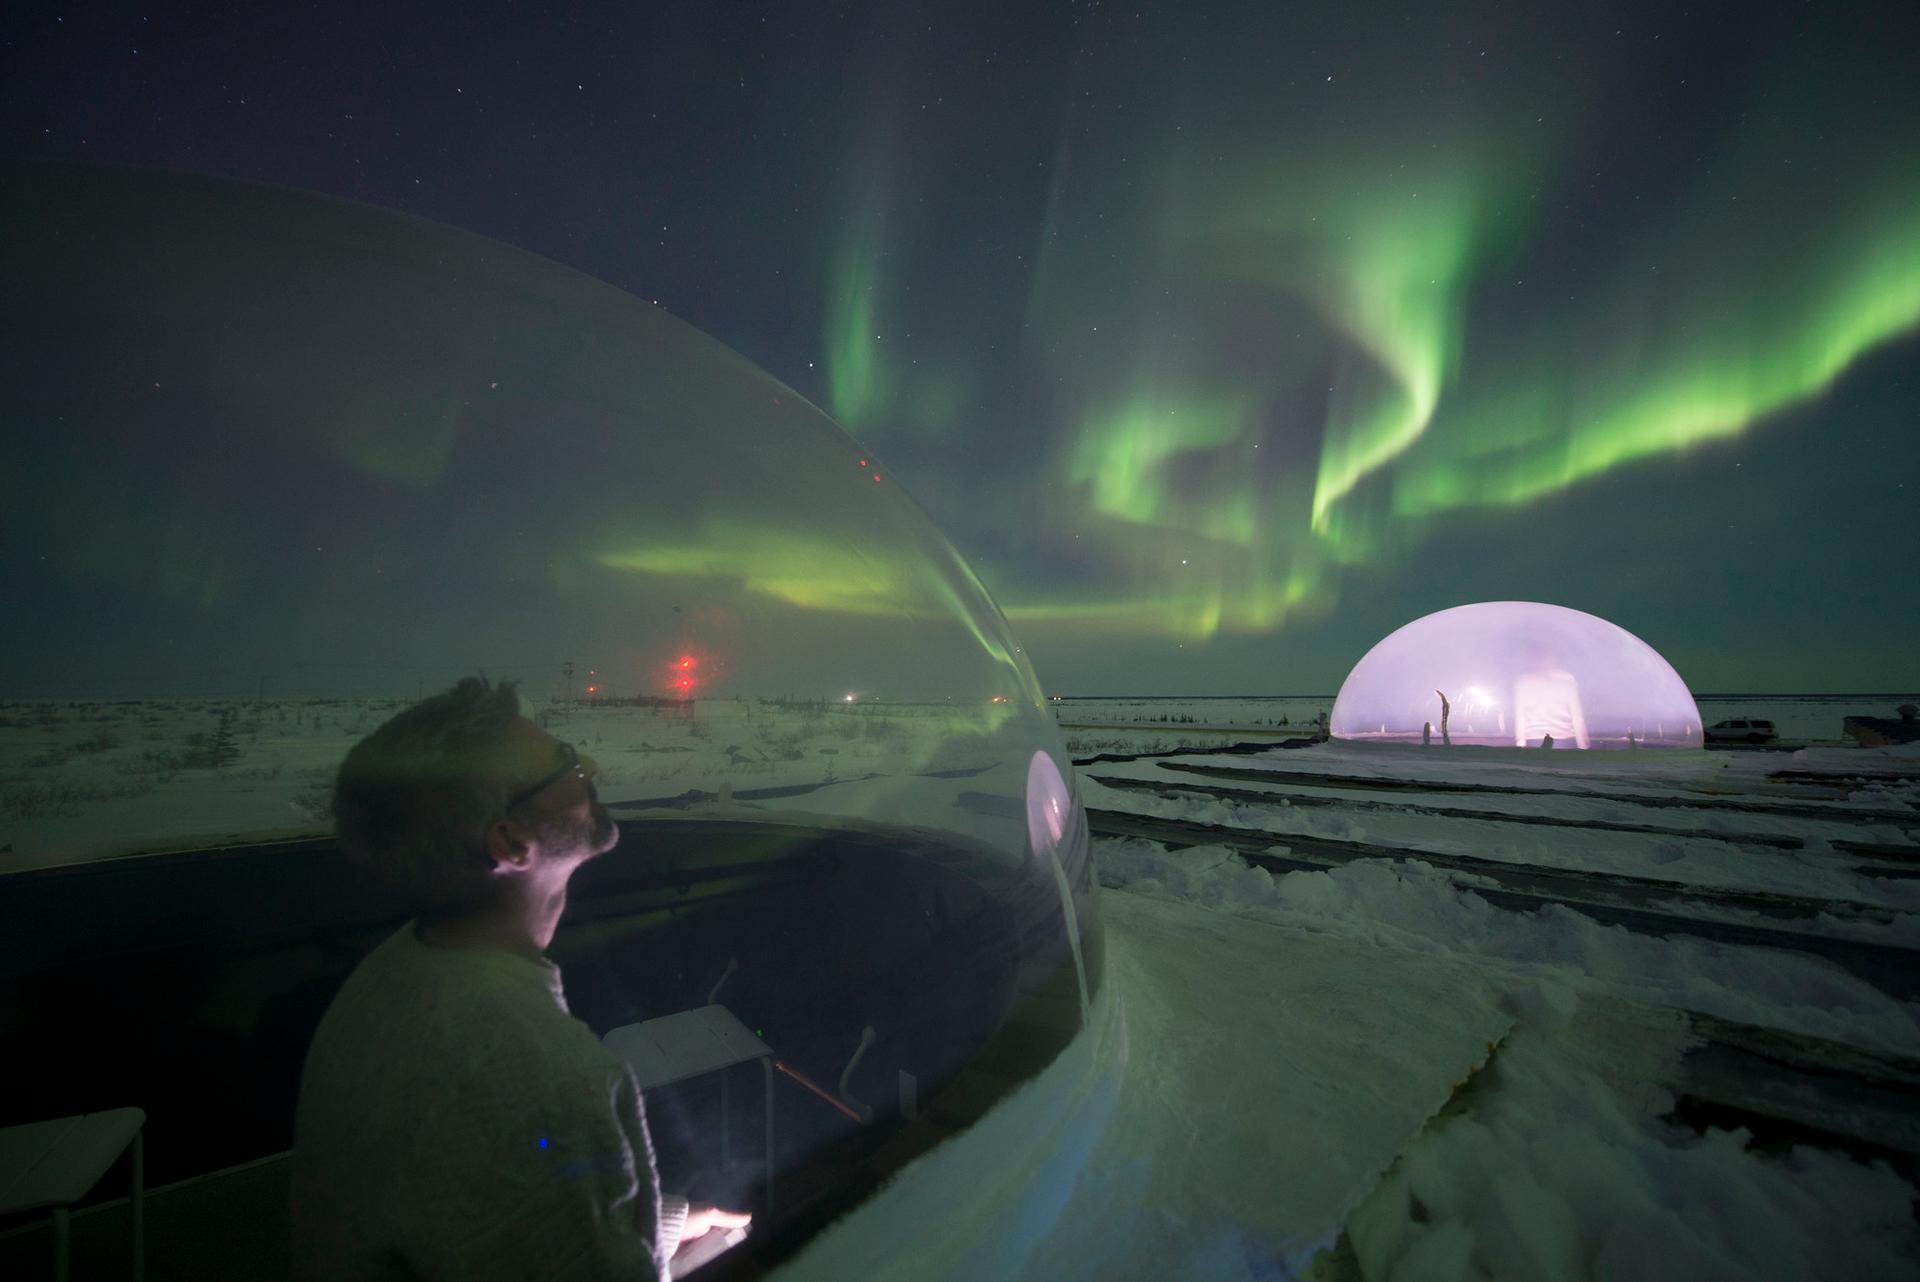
(585, 1198)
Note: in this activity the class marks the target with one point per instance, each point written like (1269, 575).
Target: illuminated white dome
(1513, 673)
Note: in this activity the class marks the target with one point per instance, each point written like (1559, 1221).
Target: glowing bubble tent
(1516, 674)
(284, 464)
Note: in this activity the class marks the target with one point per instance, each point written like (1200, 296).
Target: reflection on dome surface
(1516, 674)
(283, 464)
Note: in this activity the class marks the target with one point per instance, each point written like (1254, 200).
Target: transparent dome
(1516, 673)
(281, 465)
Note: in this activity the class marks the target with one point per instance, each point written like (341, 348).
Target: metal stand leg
(140, 1206)
(766, 1063)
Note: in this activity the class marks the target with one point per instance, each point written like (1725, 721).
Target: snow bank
(1553, 1162)
(1239, 1092)
(1552, 1175)
(1413, 907)
(1816, 870)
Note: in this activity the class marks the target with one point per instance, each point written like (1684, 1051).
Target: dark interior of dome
(194, 980)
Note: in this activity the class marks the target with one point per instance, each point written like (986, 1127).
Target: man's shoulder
(414, 989)
(407, 1014)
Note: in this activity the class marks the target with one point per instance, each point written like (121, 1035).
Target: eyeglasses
(572, 763)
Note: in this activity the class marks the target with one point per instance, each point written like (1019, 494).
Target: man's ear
(507, 846)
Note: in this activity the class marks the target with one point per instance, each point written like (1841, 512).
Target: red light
(876, 476)
(687, 673)
(863, 462)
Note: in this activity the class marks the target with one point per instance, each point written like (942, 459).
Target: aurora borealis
(1221, 340)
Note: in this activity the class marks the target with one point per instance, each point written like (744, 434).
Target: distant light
(849, 698)
(876, 476)
(687, 671)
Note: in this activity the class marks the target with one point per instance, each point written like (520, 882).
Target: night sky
(1221, 340)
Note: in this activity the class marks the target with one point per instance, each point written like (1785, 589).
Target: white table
(693, 1043)
(51, 1165)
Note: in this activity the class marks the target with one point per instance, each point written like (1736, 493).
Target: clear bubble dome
(282, 464)
(1513, 674)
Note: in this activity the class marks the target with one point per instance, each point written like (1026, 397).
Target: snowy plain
(1558, 1159)
(1369, 1071)
(1373, 1072)
(84, 779)
(1802, 719)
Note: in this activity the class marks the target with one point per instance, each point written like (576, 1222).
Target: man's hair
(413, 800)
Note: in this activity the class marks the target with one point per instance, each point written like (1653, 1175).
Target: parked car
(1742, 731)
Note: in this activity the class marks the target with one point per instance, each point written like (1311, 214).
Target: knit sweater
(455, 1121)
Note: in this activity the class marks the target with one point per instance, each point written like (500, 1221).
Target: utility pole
(567, 668)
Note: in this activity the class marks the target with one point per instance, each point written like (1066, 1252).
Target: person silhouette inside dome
(1546, 703)
(454, 1119)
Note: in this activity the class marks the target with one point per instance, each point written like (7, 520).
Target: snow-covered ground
(1356, 1075)
(1092, 726)
(1558, 1160)
(1364, 1072)
(79, 779)
(1715, 857)
(1800, 719)
(1372, 1072)
(82, 780)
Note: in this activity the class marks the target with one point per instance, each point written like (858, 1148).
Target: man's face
(554, 794)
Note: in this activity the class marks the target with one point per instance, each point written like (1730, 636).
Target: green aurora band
(1282, 336)
(869, 389)
(854, 389)
(821, 572)
(1124, 455)
(1759, 356)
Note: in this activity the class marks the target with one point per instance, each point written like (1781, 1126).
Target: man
(454, 1120)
